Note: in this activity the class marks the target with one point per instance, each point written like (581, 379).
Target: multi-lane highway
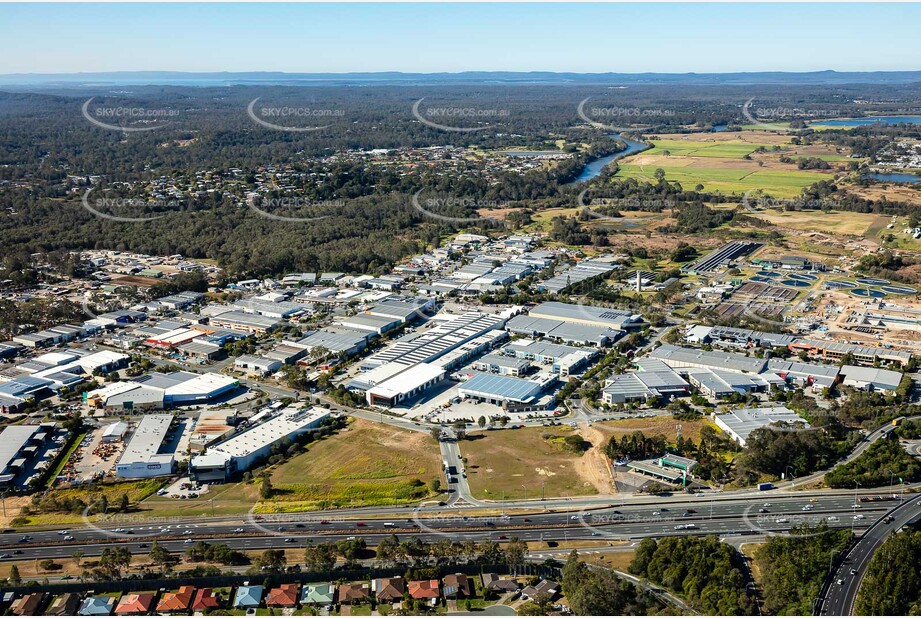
(762, 514)
(841, 591)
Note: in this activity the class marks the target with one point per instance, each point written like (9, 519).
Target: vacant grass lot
(735, 149)
(728, 181)
(516, 463)
(367, 464)
(665, 425)
(137, 491)
(223, 499)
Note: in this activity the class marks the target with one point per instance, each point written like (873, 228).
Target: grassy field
(664, 425)
(786, 184)
(735, 149)
(835, 222)
(364, 465)
(518, 463)
(137, 492)
(224, 499)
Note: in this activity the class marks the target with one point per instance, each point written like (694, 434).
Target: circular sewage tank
(898, 289)
(793, 283)
(867, 293)
(872, 281)
(767, 273)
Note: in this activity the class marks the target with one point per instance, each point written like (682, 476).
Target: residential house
(28, 604)
(98, 606)
(318, 594)
(205, 599)
(283, 596)
(135, 604)
(457, 586)
(66, 604)
(426, 589)
(353, 594)
(248, 596)
(545, 588)
(177, 601)
(388, 589)
(491, 581)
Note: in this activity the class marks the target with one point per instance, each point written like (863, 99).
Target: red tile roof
(177, 601)
(424, 589)
(283, 596)
(135, 603)
(205, 599)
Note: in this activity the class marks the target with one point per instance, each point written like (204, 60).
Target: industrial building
(245, 322)
(506, 391)
(405, 385)
(502, 364)
(719, 383)
(336, 339)
(671, 468)
(871, 379)
(160, 391)
(684, 358)
(805, 375)
(739, 424)
(251, 444)
(257, 365)
(21, 452)
(564, 360)
(865, 355)
(655, 381)
(558, 330)
(583, 271)
(603, 317)
(375, 324)
(142, 457)
(436, 341)
(723, 256)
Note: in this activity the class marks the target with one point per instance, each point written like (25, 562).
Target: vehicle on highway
(762, 510)
(289, 540)
(840, 582)
(853, 571)
(67, 537)
(782, 520)
(188, 541)
(766, 505)
(858, 516)
(237, 530)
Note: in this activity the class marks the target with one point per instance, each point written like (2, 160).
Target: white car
(188, 541)
(856, 517)
(766, 505)
(67, 537)
(238, 529)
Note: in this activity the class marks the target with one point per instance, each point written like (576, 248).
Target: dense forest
(709, 574)
(892, 584)
(49, 151)
(794, 567)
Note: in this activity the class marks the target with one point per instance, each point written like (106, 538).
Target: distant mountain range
(176, 78)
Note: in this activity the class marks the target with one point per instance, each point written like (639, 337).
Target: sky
(425, 38)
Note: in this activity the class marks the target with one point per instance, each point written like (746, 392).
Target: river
(593, 168)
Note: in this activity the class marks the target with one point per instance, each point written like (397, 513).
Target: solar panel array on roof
(437, 341)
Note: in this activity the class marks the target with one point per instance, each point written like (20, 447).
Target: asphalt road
(839, 599)
(629, 521)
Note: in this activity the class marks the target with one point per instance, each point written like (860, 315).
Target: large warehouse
(247, 447)
(602, 317)
(160, 390)
(740, 424)
(405, 385)
(142, 457)
(505, 390)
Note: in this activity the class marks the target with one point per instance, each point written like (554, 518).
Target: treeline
(892, 584)
(595, 591)
(794, 567)
(709, 574)
(882, 462)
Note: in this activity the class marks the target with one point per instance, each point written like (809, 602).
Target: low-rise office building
(740, 424)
